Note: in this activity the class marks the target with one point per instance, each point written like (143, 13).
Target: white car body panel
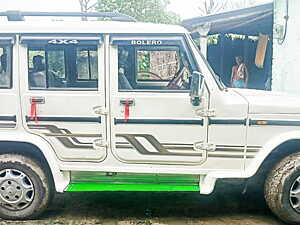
(265, 102)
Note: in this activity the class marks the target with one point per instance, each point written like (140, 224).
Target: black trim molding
(67, 119)
(158, 121)
(226, 122)
(8, 118)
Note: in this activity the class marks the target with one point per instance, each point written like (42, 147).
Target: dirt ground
(226, 206)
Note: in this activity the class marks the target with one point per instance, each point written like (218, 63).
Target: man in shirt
(38, 73)
(4, 75)
(239, 74)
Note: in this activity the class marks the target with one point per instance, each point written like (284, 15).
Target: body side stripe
(8, 118)
(226, 122)
(67, 119)
(159, 121)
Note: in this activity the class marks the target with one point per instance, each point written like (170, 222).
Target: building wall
(286, 56)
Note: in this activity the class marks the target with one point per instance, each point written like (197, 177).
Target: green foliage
(56, 63)
(143, 61)
(213, 39)
(142, 10)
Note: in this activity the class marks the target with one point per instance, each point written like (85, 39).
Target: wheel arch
(39, 150)
(273, 152)
(280, 152)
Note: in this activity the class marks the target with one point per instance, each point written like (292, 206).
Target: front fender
(268, 148)
(61, 179)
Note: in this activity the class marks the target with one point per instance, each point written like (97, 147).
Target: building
(266, 35)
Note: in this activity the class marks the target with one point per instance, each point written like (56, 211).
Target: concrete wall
(286, 56)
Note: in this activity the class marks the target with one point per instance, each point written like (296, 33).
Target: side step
(130, 187)
(103, 181)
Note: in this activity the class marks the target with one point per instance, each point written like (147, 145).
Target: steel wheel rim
(16, 189)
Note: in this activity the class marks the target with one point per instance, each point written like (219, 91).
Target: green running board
(129, 187)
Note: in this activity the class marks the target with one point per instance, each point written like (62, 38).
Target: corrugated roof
(248, 21)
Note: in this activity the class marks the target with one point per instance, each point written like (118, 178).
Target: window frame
(44, 49)
(9, 43)
(89, 48)
(177, 40)
(42, 41)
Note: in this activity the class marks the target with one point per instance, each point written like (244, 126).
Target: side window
(157, 65)
(63, 67)
(56, 63)
(153, 68)
(87, 64)
(5, 66)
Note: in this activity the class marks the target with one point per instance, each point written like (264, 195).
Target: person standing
(239, 74)
(4, 75)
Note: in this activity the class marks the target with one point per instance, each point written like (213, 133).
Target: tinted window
(5, 66)
(153, 68)
(156, 65)
(87, 64)
(66, 66)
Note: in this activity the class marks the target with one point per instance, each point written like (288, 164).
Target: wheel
(282, 189)
(24, 188)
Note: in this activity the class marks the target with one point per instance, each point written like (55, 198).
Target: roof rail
(19, 15)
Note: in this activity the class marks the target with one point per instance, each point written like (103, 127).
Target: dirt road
(226, 206)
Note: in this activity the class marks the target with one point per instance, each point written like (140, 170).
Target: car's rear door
(62, 86)
(8, 82)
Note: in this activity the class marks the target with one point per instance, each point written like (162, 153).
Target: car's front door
(62, 86)
(153, 121)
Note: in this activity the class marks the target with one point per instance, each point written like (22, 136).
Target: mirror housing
(196, 91)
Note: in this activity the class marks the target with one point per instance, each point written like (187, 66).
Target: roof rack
(19, 15)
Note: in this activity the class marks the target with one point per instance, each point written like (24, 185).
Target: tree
(154, 11)
(209, 7)
(86, 6)
(234, 4)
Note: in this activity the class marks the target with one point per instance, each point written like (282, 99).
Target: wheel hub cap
(16, 189)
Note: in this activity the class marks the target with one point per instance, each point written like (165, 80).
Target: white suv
(123, 106)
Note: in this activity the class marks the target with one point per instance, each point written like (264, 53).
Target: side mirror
(197, 84)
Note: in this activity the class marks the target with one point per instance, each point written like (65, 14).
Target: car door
(62, 93)
(8, 86)
(153, 121)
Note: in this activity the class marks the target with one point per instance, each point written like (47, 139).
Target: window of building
(63, 67)
(153, 68)
(5, 66)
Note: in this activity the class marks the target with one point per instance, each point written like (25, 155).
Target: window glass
(63, 67)
(157, 65)
(87, 64)
(5, 66)
(56, 63)
(153, 68)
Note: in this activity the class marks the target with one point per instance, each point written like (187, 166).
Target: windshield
(220, 84)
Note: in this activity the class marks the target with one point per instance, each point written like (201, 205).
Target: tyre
(25, 190)
(282, 189)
